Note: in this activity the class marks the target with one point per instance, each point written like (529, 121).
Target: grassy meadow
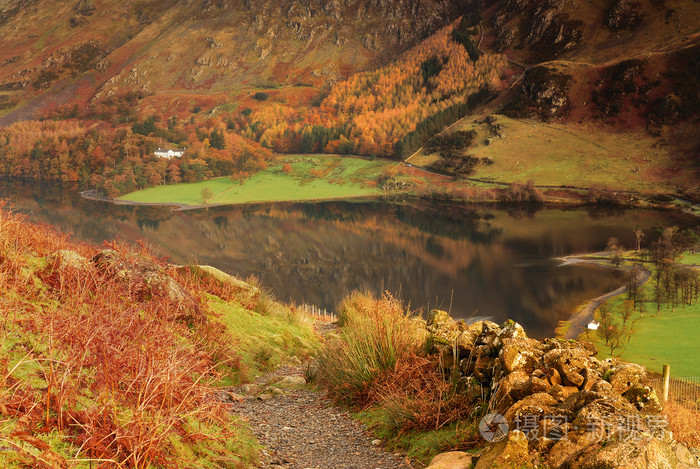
(577, 155)
(667, 336)
(311, 178)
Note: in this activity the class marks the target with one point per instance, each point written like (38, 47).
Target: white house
(593, 326)
(162, 153)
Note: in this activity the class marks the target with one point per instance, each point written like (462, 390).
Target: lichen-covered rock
(511, 389)
(509, 452)
(559, 400)
(643, 398)
(569, 363)
(561, 393)
(539, 404)
(573, 441)
(444, 330)
(520, 354)
(148, 280)
(69, 259)
(644, 452)
(623, 376)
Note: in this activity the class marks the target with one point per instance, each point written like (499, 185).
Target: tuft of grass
(423, 445)
(264, 341)
(377, 334)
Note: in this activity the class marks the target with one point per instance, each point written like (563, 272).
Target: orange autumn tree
(371, 111)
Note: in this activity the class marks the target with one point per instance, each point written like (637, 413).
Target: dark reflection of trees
(596, 212)
(452, 221)
(522, 211)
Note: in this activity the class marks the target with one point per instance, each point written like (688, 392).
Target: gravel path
(301, 429)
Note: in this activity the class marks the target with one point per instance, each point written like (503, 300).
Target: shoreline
(579, 320)
(682, 206)
(181, 207)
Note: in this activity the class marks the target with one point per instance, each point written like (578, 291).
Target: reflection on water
(476, 261)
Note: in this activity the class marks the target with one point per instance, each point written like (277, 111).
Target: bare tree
(638, 236)
(615, 251)
(626, 311)
(207, 195)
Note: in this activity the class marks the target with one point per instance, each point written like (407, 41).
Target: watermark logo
(493, 427)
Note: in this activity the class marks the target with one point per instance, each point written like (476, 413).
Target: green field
(575, 155)
(667, 337)
(691, 259)
(311, 178)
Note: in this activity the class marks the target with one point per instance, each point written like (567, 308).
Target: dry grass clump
(110, 363)
(684, 423)
(377, 335)
(418, 397)
(378, 360)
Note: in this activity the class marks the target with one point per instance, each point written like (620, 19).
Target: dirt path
(300, 428)
(585, 315)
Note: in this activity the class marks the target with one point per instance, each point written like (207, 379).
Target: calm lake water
(476, 261)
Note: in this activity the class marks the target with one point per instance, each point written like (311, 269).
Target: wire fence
(684, 391)
(320, 314)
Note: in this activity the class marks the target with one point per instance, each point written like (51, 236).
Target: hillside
(111, 356)
(203, 52)
(608, 95)
(234, 82)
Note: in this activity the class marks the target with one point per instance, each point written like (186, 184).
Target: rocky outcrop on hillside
(553, 402)
(543, 27)
(623, 14)
(543, 93)
(143, 46)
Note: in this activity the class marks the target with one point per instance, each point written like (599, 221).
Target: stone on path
(451, 460)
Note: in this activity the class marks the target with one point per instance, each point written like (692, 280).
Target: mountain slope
(72, 51)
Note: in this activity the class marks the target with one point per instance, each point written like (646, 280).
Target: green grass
(690, 259)
(667, 337)
(571, 154)
(420, 446)
(264, 341)
(333, 177)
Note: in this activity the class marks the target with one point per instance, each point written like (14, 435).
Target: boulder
(520, 354)
(444, 330)
(561, 393)
(624, 376)
(148, 280)
(451, 460)
(483, 368)
(511, 389)
(574, 441)
(69, 259)
(643, 398)
(647, 452)
(539, 405)
(511, 329)
(684, 456)
(509, 452)
(569, 363)
(292, 382)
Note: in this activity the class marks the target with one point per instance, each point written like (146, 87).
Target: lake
(476, 261)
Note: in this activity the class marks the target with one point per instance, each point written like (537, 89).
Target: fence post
(666, 380)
